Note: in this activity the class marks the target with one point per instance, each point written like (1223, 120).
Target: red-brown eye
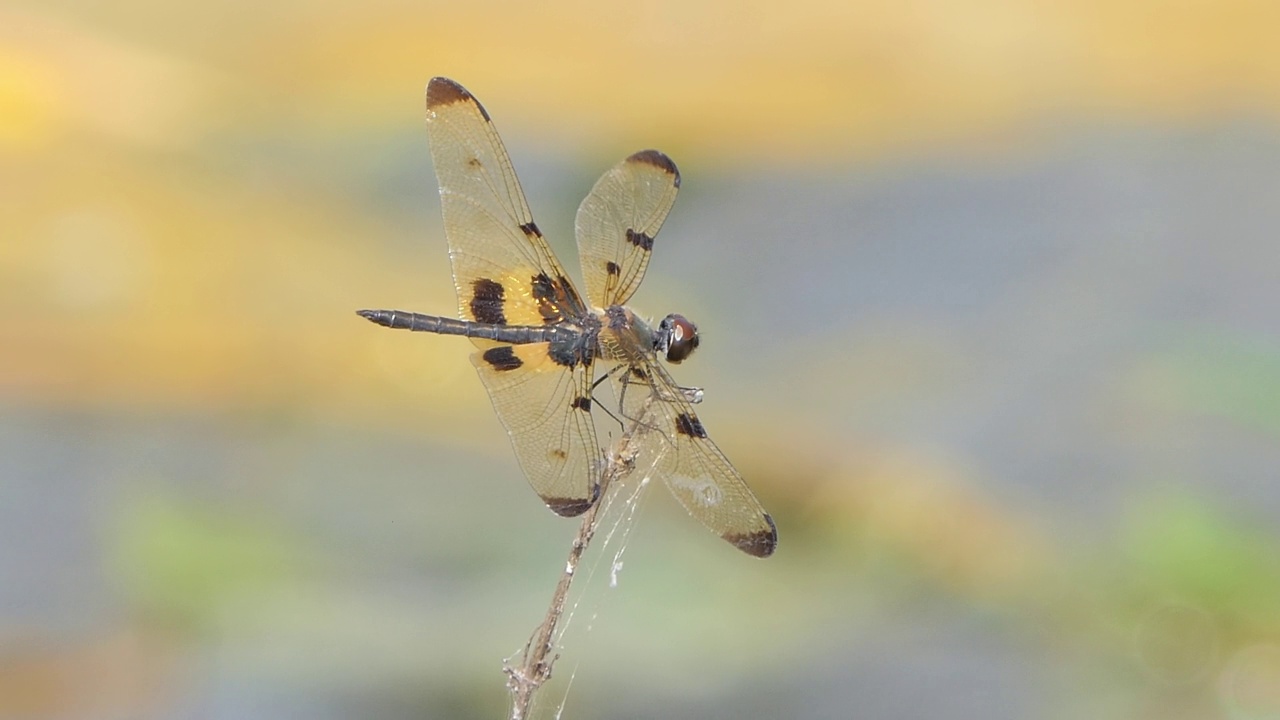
(678, 337)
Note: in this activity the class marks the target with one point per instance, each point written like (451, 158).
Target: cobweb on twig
(613, 515)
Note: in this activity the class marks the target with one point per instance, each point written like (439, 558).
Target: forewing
(503, 268)
(546, 408)
(617, 222)
(695, 470)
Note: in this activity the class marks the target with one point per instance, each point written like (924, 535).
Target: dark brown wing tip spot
(567, 507)
(761, 544)
(442, 91)
(658, 160)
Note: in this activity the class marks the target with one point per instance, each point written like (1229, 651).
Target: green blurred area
(1024, 467)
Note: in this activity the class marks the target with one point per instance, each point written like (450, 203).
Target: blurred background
(989, 298)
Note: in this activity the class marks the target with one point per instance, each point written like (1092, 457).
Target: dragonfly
(539, 343)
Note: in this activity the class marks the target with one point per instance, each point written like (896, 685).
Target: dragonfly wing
(617, 222)
(545, 407)
(503, 268)
(697, 473)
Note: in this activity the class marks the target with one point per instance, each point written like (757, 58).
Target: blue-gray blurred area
(1009, 387)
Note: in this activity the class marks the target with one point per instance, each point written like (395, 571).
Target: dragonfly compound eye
(681, 337)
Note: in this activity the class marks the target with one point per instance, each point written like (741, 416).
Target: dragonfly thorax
(628, 338)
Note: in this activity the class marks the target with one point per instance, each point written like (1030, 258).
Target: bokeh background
(989, 295)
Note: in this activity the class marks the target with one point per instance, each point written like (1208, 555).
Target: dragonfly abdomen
(417, 322)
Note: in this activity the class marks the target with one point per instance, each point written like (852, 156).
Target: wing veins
(499, 178)
(512, 231)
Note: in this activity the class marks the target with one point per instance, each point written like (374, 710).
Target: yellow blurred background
(989, 296)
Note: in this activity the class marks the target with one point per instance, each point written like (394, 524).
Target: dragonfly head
(677, 337)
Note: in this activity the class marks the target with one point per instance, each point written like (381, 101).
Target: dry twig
(539, 654)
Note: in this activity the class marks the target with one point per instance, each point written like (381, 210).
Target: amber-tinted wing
(546, 409)
(503, 268)
(617, 223)
(506, 274)
(673, 441)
